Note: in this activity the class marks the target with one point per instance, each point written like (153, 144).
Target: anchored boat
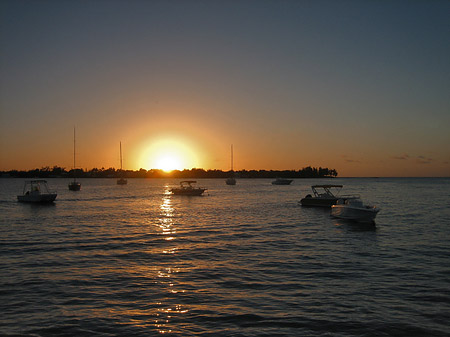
(282, 181)
(121, 180)
(231, 180)
(354, 209)
(186, 188)
(74, 185)
(36, 191)
(323, 196)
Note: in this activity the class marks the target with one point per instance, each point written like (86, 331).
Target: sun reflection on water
(167, 276)
(166, 217)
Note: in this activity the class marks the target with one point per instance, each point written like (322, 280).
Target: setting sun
(168, 154)
(168, 163)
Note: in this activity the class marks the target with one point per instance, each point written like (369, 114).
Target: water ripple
(246, 260)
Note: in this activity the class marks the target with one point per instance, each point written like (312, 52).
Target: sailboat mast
(231, 157)
(121, 156)
(121, 180)
(74, 148)
(74, 185)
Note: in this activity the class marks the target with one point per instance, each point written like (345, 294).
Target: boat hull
(121, 181)
(74, 186)
(318, 202)
(366, 214)
(282, 182)
(183, 191)
(37, 198)
(230, 181)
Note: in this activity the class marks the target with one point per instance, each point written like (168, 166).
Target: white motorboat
(186, 188)
(282, 181)
(354, 209)
(36, 191)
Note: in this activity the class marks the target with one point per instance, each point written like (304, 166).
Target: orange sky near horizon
(210, 149)
(361, 88)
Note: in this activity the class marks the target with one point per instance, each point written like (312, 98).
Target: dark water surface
(245, 260)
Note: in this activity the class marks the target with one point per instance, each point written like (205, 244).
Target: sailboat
(231, 180)
(74, 185)
(121, 180)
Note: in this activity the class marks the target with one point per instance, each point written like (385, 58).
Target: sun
(168, 163)
(168, 154)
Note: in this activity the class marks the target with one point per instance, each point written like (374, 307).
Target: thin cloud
(350, 160)
(423, 160)
(417, 159)
(401, 157)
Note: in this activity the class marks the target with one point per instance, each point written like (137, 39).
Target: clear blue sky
(359, 86)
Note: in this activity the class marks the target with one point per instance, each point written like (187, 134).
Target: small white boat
(354, 209)
(36, 191)
(186, 188)
(282, 181)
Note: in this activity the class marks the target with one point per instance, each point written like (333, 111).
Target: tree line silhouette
(60, 172)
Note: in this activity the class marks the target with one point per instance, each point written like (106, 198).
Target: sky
(362, 87)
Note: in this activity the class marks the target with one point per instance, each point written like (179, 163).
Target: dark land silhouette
(60, 172)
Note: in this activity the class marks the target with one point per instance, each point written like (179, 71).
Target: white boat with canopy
(36, 191)
(324, 196)
(187, 188)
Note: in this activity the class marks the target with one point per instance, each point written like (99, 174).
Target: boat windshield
(357, 202)
(187, 183)
(36, 186)
(325, 191)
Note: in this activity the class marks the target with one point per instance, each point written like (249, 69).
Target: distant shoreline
(58, 172)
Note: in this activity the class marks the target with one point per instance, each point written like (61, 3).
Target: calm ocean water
(245, 260)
